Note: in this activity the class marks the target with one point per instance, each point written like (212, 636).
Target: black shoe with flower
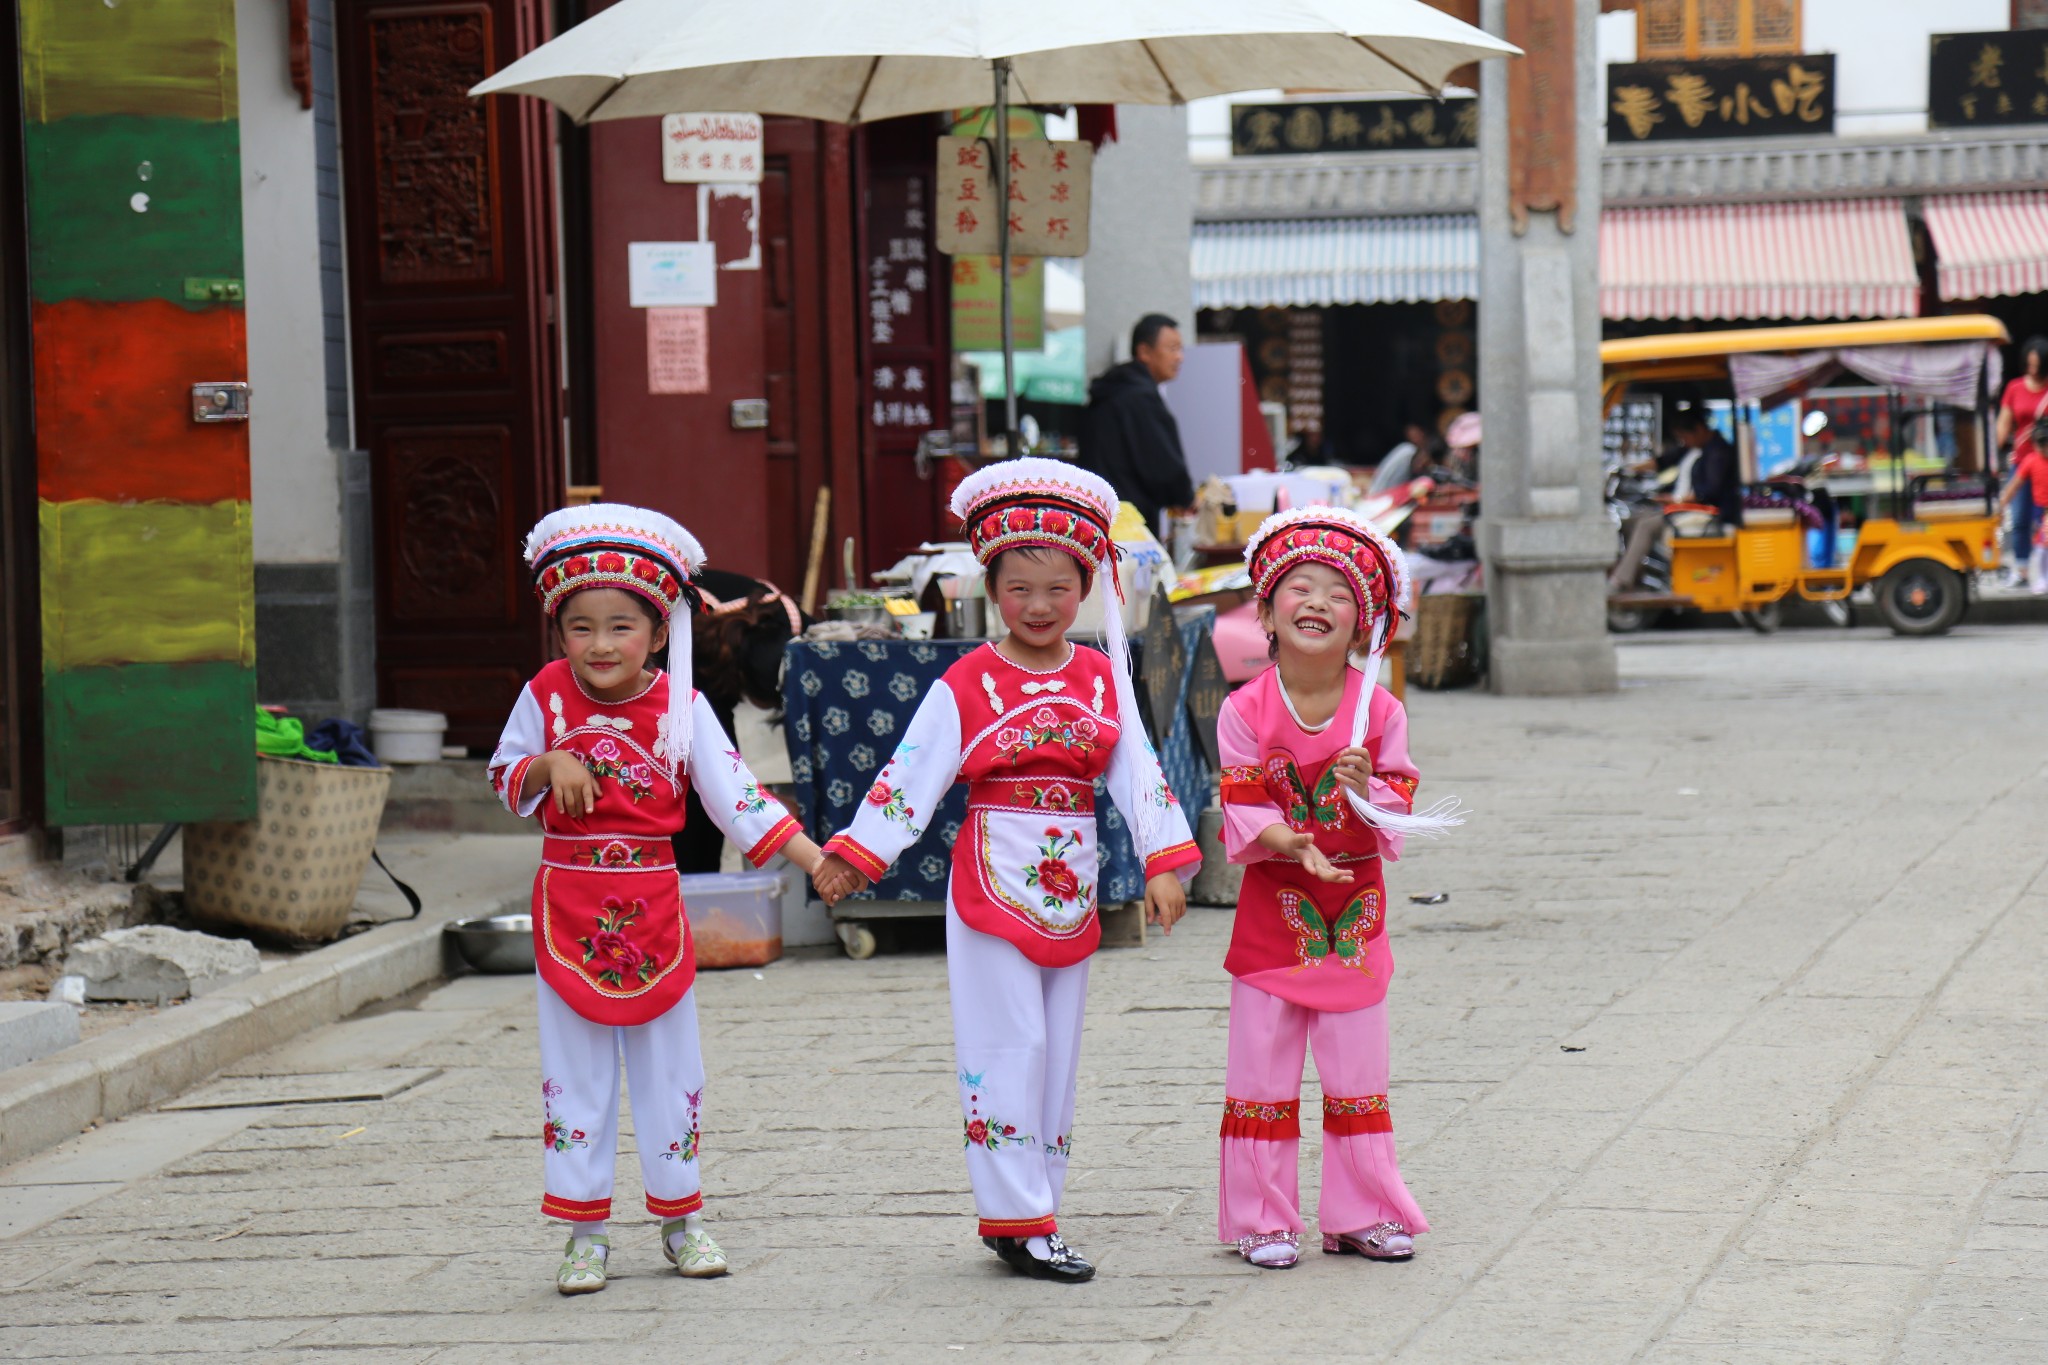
(1063, 1264)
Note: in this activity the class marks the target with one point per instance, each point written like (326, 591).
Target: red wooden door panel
(450, 269)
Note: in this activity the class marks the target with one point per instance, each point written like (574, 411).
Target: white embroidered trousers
(579, 1067)
(1017, 1047)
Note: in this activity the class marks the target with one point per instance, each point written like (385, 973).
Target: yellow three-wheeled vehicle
(1923, 534)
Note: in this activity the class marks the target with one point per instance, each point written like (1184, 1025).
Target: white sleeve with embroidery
(524, 739)
(1134, 778)
(755, 821)
(894, 812)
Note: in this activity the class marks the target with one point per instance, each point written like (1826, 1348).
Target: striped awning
(1990, 245)
(1320, 261)
(1829, 259)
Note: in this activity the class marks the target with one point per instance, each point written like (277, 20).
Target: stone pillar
(1139, 228)
(1543, 533)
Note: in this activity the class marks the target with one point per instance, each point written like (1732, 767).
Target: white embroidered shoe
(697, 1257)
(583, 1261)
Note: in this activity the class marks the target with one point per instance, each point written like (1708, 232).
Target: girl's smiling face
(607, 634)
(1314, 612)
(1038, 592)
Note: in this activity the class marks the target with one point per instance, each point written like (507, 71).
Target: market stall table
(846, 702)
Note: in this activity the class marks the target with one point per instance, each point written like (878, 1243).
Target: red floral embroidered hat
(612, 545)
(1036, 501)
(1348, 543)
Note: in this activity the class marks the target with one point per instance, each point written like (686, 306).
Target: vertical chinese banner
(906, 350)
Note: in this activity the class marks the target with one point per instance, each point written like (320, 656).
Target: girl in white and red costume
(604, 748)
(1028, 723)
(1318, 789)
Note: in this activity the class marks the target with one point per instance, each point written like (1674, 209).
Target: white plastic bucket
(399, 736)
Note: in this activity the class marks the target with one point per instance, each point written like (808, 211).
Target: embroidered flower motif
(881, 723)
(800, 769)
(605, 759)
(839, 792)
(1054, 797)
(903, 687)
(577, 566)
(825, 649)
(810, 682)
(993, 1134)
(855, 682)
(892, 803)
(611, 562)
(685, 1150)
(550, 1088)
(1009, 737)
(647, 571)
(1061, 1146)
(802, 726)
(932, 868)
(1363, 1104)
(1264, 1113)
(751, 802)
(615, 955)
(1055, 880)
(556, 1135)
(862, 758)
(1084, 728)
(1045, 728)
(616, 853)
(873, 650)
(924, 654)
(837, 722)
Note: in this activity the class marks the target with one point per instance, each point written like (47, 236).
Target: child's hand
(836, 879)
(574, 787)
(1353, 768)
(1165, 901)
(1302, 848)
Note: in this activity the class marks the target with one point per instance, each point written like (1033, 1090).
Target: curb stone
(130, 1068)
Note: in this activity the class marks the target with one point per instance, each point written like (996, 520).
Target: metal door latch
(749, 414)
(225, 400)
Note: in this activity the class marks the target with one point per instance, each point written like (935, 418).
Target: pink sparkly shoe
(1270, 1250)
(1381, 1242)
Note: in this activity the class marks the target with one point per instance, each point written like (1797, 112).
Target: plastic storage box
(736, 917)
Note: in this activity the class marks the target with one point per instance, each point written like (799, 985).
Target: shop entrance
(455, 362)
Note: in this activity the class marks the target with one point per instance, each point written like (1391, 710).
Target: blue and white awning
(1313, 262)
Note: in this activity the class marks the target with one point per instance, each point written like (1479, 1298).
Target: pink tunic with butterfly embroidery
(1319, 944)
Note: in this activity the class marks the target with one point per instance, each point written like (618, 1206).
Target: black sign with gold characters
(1720, 97)
(1207, 687)
(1976, 79)
(1352, 126)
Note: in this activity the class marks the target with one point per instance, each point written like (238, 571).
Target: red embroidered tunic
(1029, 745)
(1315, 943)
(610, 932)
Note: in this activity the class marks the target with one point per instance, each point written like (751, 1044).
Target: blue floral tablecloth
(845, 704)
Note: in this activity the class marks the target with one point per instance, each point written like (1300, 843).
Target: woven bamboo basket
(1442, 653)
(292, 873)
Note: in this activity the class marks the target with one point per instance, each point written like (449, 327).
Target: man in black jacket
(1715, 478)
(1128, 436)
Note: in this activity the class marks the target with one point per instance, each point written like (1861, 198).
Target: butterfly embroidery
(1325, 805)
(971, 1078)
(1316, 939)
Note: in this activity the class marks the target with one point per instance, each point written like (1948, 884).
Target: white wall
(296, 493)
(1880, 49)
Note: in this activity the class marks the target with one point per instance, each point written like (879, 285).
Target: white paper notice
(672, 274)
(717, 148)
(678, 350)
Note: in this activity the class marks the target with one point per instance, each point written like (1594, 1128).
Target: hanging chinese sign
(1047, 203)
(1352, 126)
(1974, 79)
(906, 350)
(978, 308)
(1720, 97)
(712, 148)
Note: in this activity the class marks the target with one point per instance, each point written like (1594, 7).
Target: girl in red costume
(1028, 723)
(1317, 789)
(604, 748)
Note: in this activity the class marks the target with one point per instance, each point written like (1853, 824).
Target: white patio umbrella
(855, 61)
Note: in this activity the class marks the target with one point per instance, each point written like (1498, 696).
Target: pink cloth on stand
(1260, 1186)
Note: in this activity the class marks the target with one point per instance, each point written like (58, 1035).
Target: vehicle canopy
(1952, 360)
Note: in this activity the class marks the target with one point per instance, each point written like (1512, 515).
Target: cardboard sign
(1048, 197)
(672, 274)
(714, 148)
(678, 350)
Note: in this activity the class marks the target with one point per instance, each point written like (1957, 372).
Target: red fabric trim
(1169, 858)
(1020, 1227)
(576, 1210)
(771, 843)
(1404, 785)
(1262, 1120)
(1347, 1117)
(515, 782)
(676, 1208)
(847, 847)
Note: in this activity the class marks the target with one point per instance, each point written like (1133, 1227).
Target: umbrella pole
(1002, 73)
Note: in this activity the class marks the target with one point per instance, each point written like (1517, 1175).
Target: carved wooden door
(451, 296)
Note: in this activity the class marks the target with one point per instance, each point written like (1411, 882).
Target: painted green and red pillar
(135, 283)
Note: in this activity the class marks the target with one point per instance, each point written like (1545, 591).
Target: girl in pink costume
(1317, 788)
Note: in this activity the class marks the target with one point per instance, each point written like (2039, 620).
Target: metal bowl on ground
(494, 943)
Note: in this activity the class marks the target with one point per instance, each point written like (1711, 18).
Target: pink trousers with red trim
(1260, 1183)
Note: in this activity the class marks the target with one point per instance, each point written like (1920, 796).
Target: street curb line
(153, 1059)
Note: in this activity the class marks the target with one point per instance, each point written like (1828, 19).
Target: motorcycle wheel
(1626, 620)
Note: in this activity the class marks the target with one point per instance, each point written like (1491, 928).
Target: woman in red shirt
(2024, 405)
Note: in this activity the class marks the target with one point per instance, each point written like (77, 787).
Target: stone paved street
(1728, 1046)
